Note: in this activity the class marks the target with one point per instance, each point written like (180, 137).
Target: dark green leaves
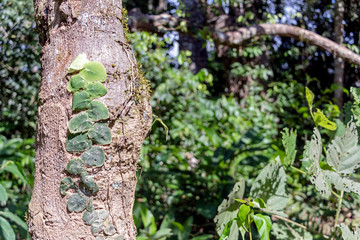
(100, 133)
(66, 184)
(93, 71)
(96, 90)
(97, 111)
(80, 123)
(94, 157)
(75, 166)
(77, 202)
(80, 100)
(77, 143)
(89, 183)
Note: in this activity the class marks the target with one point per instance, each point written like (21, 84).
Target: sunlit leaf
(6, 230)
(96, 90)
(93, 71)
(76, 83)
(98, 111)
(80, 123)
(289, 143)
(78, 63)
(100, 133)
(263, 224)
(77, 143)
(346, 184)
(311, 162)
(77, 202)
(321, 120)
(3, 194)
(347, 234)
(309, 98)
(270, 185)
(343, 152)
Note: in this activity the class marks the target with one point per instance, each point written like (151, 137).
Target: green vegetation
(241, 148)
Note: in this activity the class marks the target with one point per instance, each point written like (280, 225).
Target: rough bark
(338, 62)
(94, 27)
(165, 22)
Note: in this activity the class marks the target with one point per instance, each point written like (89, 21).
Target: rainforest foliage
(246, 142)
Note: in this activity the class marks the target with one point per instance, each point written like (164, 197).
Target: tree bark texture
(94, 27)
(165, 22)
(338, 62)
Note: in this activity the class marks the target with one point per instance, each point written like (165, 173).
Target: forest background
(218, 110)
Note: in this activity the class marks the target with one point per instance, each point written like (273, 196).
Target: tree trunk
(68, 28)
(338, 62)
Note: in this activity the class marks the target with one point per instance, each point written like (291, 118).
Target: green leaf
(96, 90)
(66, 184)
(356, 94)
(311, 162)
(321, 120)
(346, 184)
(98, 111)
(148, 219)
(3, 195)
(78, 63)
(6, 230)
(90, 217)
(80, 123)
(289, 142)
(226, 232)
(93, 71)
(270, 185)
(76, 83)
(95, 156)
(89, 183)
(11, 167)
(97, 226)
(100, 133)
(263, 225)
(77, 202)
(16, 219)
(228, 209)
(309, 98)
(347, 234)
(343, 152)
(80, 100)
(75, 166)
(243, 213)
(77, 143)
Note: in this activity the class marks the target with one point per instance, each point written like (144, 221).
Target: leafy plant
(268, 195)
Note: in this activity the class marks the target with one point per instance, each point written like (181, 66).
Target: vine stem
(250, 235)
(338, 210)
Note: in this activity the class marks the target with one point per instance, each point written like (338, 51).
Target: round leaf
(66, 184)
(97, 111)
(6, 230)
(100, 133)
(93, 71)
(76, 83)
(89, 183)
(96, 90)
(90, 217)
(94, 157)
(80, 123)
(78, 63)
(75, 166)
(80, 100)
(77, 203)
(77, 143)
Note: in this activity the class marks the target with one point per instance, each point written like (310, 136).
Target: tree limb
(165, 22)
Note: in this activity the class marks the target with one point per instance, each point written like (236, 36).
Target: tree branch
(165, 22)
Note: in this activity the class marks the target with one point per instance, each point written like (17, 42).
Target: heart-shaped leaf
(77, 202)
(80, 100)
(77, 143)
(75, 166)
(100, 133)
(93, 71)
(78, 63)
(76, 83)
(98, 111)
(96, 90)
(80, 123)
(94, 157)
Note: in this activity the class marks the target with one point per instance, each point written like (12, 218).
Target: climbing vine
(88, 131)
